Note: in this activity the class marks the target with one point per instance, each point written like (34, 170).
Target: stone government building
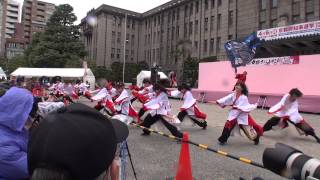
(170, 33)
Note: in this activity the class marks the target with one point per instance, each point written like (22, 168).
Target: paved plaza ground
(155, 157)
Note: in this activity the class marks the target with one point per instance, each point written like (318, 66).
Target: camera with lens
(291, 163)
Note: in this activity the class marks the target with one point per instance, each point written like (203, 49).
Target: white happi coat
(103, 93)
(188, 101)
(112, 92)
(123, 102)
(285, 108)
(83, 87)
(146, 90)
(68, 89)
(240, 107)
(159, 105)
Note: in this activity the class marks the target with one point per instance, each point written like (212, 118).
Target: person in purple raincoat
(15, 107)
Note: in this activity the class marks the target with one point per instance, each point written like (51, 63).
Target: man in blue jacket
(15, 107)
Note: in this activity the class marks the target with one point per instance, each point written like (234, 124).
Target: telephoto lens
(291, 163)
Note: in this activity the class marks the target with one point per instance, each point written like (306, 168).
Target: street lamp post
(124, 48)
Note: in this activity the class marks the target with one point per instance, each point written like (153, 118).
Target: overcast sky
(81, 7)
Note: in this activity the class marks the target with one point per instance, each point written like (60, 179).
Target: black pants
(149, 120)
(141, 112)
(132, 100)
(68, 98)
(183, 114)
(306, 128)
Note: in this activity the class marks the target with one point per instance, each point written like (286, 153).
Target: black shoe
(145, 134)
(204, 127)
(222, 143)
(257, 140)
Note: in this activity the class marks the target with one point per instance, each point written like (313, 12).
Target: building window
(186, 11)
(211, 23)
(263, 4)
(173, 33)
(212, 4)
(230, 18)
(219, 2)
(113, 35)
(178, 13)
(196, 45)
(206, 24)
(218, 44)
(178, 31)
(274, 3)
(262, 25)
(132, 39)
(274, 23)
(296, 19)
(173, 16)
(190, 28)
(219, 21)
(196, 24)
(133, 24)
(310, 6)
(118, 53)
(119, 37)
(206, 4)
(128, 23)
(185, 29)
(205, 46)
(113, 51)
(197, 6)
(230, 37)
(296, 7)
(191, 9)
(120, 22)
(310, 17)
(211, 45)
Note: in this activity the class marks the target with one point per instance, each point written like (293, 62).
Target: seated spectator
(76, 142)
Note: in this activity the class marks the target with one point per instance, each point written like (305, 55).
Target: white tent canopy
(52, 72)
(147, 74)
(2, 74)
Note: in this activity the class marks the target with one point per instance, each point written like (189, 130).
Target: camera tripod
(129, 154)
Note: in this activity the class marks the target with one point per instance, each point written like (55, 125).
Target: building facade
(10, 15)
(16, 44)
(35, 15)
(170, 33)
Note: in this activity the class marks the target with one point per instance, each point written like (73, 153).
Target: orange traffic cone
(184, 171)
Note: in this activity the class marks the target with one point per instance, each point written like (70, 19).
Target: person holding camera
(16, 105)
(287, 110)
(75, 142)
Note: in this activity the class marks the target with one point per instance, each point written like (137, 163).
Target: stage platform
(267, 82)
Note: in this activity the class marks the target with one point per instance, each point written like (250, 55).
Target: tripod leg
(129, 154)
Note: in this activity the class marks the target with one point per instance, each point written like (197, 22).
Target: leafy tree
(60, 45)
(190, 71)
(142, 65)
(16, 62)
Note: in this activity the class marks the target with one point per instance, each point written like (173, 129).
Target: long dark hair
(244, 88)
(161, 85)
(50, 174)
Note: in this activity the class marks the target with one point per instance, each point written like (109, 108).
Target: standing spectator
(76, 142)
(16, 105)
